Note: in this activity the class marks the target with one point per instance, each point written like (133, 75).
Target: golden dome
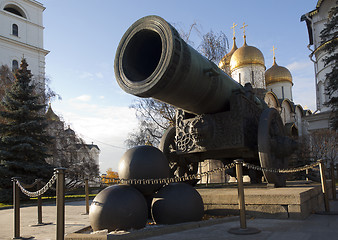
(277, 74)
(50, 115)
(225, 61)
(246, 55)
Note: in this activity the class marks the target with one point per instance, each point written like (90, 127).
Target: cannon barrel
(152, 60)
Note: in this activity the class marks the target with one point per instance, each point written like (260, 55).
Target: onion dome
(246, 55)
(277, 74)
(225, 61)
(69, 131)
(50, 115)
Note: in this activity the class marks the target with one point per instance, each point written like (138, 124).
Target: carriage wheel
(270, 143)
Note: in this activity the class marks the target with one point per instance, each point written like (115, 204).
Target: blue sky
(82, 37)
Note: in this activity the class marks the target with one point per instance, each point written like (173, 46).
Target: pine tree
(23, 139)
(329, 40)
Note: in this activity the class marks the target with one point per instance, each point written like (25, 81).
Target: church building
(315, 23)
(21, 35)
(247, 65)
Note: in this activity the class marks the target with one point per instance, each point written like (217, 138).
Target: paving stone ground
(74, 214)
(314, 227)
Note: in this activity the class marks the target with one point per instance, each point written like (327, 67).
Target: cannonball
(118, 207)
(177, 203)
(144, 162)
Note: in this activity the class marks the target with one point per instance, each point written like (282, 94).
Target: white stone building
(247, 65)
(66, 142)
(21, 35)
(315, 22)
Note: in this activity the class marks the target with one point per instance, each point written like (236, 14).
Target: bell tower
(21, 35)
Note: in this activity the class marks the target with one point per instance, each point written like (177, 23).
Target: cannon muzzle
(152, 60)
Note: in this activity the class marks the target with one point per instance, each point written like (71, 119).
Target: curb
(149, 232)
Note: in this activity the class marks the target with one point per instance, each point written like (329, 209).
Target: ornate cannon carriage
(217, 118)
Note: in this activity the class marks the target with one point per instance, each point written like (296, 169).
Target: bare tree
(154, 118)
(323, 145)
(214, 46)
(70, 151)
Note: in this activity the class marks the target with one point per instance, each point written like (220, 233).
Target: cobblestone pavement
(314, 227)
(74, 214)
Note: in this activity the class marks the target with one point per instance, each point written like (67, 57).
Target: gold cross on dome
(273, 51)
(244, 26)
(233, 28)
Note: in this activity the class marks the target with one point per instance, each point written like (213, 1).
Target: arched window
(15, 30)
(252, 79)
(15, 10)
(15, 65)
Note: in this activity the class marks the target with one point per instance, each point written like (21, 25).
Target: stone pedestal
(295, 201)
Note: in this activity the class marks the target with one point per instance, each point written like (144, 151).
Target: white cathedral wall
(35, 60)
(319, 19)
(28, 43)
(281, 89)
(30, 29)
(286, 114)
(298, 122)
(94, 154)
(318, 23)
(321, 70)
(243, 75)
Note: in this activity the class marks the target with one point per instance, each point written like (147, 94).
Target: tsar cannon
(216, 117)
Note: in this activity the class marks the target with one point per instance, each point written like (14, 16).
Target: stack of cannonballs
(124, 207)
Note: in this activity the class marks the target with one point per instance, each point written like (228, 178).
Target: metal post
(60, 203)
(333, 181)
(87, 195)
(242, 230)
(239, 174)
(206, 183)
(39, 186)
(337, 169)
(324, 188)
(16, 208)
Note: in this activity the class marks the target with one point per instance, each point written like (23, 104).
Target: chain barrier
(274, 170)
(52, 188)
(199, 175)
(168, 180)
(39, 192)
(30, 185)
(48, 185)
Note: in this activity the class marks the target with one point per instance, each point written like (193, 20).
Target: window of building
(252, 78)
(15, 65)
(15, 10)
(15, 30)
(239, 78)
(282, 92)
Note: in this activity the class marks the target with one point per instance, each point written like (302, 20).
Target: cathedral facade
(67, 145)
(247, 65)
(21, 35)
(315, 23)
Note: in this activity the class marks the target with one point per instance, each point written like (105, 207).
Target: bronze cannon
(216, 117)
